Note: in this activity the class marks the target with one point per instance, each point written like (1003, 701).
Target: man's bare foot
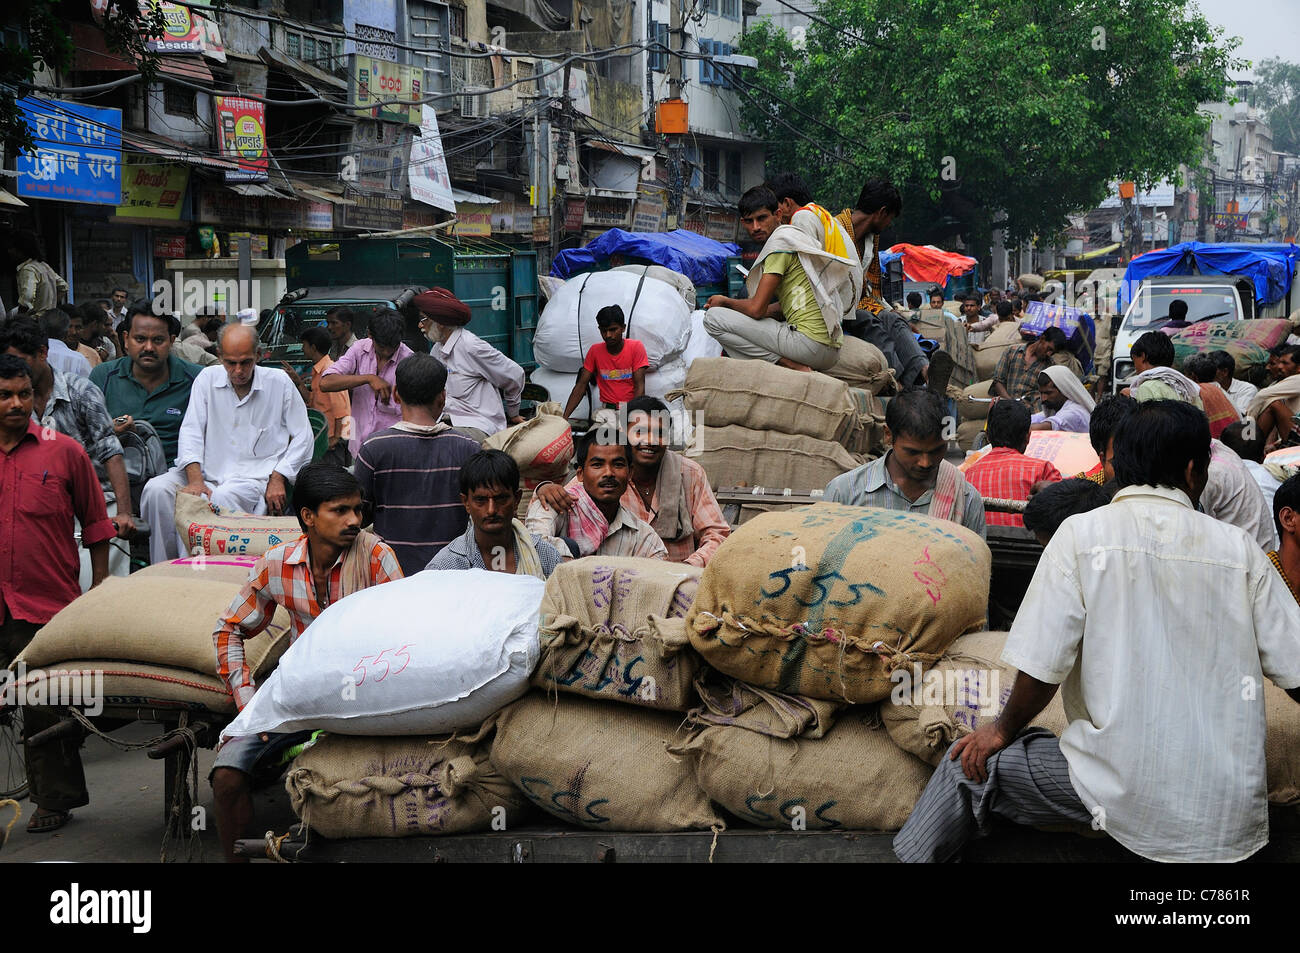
(792, 365)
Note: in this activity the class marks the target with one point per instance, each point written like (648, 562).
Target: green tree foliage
(1019, 109)
(1277, 93)
(124, 26)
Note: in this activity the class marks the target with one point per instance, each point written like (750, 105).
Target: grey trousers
(1028, 783)
(890, 332)
(766, 339)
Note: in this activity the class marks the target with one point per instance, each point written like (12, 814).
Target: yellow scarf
(832, 237)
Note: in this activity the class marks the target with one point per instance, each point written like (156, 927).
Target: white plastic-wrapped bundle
(700, 343)
(654, 311)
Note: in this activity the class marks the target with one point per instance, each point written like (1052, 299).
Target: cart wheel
(13, 764)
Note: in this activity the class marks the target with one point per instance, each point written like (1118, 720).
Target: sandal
(48, 822)
(941, 368)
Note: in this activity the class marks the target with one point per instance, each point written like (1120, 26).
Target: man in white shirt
(1162, 623)
(1241, 393)
(55, 322)
(478, 375)
(1251, 453)
(245, 436)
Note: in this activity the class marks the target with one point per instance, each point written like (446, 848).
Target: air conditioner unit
(473, 104)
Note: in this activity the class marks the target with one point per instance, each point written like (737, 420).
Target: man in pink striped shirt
(369, 370)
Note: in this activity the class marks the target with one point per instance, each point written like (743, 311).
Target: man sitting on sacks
(244, 437)
(1274, 408)
(597, 523)
(333, 559)
(483, 385)
(913, 476)
(806, 279)
(665, 489)
(495, 540)
(1154, 617)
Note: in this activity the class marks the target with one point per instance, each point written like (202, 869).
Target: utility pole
(559, 204)
(1232, 205)
(676, 143)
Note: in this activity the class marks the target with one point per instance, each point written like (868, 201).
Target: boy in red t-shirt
(617, 365)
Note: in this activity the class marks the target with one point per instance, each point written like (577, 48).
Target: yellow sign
(153, 191)
(473, 220)
(376, 81)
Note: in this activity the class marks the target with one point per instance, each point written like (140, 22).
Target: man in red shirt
(46, 480)
(617, 365)
(1005, 473)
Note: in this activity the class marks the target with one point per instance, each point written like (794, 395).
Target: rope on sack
(273, 846)
(18, 813)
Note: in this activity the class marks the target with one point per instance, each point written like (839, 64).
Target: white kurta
(1162, 623)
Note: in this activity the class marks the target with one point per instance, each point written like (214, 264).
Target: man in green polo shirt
(150, 383)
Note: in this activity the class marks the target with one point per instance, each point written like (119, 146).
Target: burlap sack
(863, 365)
(130, 685)
(928, 710)
(967, 431)
(542, 446)
(930, 323)
(1031, 282)
(869, 439)
(729, 701)
(827, 600)
(738, 456)
(600, 766)
(346, 786)
(614, 628)
(762, 396)
(154, 619)
(231, 569)
(211, 531)
(1004, 336)
(1282, 745)
(855, 778)
(969, 409)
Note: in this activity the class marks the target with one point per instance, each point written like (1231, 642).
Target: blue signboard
(78, 155)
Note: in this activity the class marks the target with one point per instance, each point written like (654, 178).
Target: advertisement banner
(183, 31)
(609, 212)
(379, 157)
(474, 220)
(380, 213)
(218, 206)
(153, 191)
(649, 213)
(168, 246)
(78, 154)
(241, 135)
(427, 171)
(574, 211)
(379, 81)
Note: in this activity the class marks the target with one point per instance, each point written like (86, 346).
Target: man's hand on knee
(976, 748)
(276, 494)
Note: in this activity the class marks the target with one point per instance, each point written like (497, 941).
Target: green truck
(499, 283)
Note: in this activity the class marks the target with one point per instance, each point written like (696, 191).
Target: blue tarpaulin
(700, 259)
(1270, 267)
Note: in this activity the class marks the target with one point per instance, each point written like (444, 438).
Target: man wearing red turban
(483, 385)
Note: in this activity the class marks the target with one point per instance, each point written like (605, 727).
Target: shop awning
(472, 198)
(319, 193)
(252, 189)
(313, 80)
(7, 199)
(92, 54)
(175, 151)
(623, 148)
(1098, 252)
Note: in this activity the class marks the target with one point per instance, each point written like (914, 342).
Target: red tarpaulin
(927, 263)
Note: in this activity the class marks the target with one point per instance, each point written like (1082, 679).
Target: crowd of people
(1181, 496)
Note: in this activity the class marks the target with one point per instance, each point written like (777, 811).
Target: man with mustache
(332, 559)
(597, 523)
(244, 438)
(151, 383)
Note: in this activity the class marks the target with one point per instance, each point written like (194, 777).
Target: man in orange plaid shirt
(333, 559)
(1005, 473)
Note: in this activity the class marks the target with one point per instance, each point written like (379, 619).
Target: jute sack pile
(542, 446)
(827, 600)
(971, 409)
(738, 456)
(928, 710)
(114, 682)
(209, 530)
(863, 365)
(1004, 336)
(869, 439)
(152, 619)
(345, 786)
(600, 765)
(615, 628)
(854, 778)
(728, 701)
(761, 396)
(1282, 745)
(967, 431)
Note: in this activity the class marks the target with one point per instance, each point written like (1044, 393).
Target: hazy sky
(1266, 27)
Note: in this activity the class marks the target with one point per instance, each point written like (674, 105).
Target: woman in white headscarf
(1067, 405)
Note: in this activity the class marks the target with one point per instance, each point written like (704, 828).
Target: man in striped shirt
(410, 472)
(334, 558)
(1005, 473)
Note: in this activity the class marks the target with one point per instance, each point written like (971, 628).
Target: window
(658, 33)
(710, 6)
(309, 49)
(178, 101)
(293, 45)
(458, 22)
(731, 9)
(711, 75)
(733, 171)
(711, 182)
